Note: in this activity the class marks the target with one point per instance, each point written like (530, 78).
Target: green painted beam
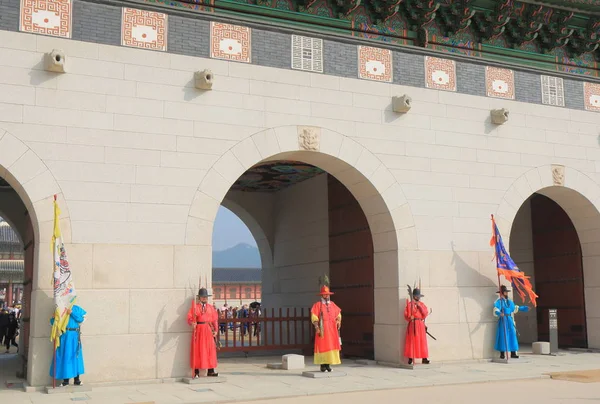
(261, 13)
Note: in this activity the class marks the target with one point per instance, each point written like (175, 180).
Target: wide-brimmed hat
(503, 289)
(417, 292)
(325, 291)
(203, 293)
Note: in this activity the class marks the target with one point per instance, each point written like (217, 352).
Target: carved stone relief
(309, 138)
(558, 175)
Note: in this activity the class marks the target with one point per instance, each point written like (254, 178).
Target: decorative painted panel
(374, 63)
(591, 93)
(144, 29)
(47, 17)
(553, 92)
(307, 53)
(500, 83)
(230, 42)
(440, 74)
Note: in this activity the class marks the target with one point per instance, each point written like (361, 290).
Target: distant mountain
(240, 256)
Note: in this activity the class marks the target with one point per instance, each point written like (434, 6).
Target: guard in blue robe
(69, 355)
(506, 337)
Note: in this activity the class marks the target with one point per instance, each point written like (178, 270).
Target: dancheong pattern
(591, 93)
(144, 29)
(440, 73)
(46, 17)
(374, 63)
(230, 42)
(500, 83)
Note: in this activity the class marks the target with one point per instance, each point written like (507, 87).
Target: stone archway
(363, 174)
(263, 241)
(36, 186)
(579, 196)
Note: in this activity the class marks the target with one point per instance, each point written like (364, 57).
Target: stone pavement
(249, 379)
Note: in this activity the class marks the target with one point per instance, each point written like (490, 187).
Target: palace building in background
(11, 264)
(366, 140)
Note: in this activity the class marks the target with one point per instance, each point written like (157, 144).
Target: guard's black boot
(501, 355)
(77, 381)
(196, 373)
(514, 355)
(65, 383)
(211, 372)
(328, 368)
(323, 368)
(425, 361)
(410, 361)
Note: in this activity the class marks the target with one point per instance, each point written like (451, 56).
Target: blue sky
(229, 231)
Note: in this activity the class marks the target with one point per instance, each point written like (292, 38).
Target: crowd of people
(9, 326)
(246, 311)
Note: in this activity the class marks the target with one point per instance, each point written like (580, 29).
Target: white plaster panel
(389, 307)
(229, 167)
(198, 232)
(168, 176)
(154, 125)
(108, 311)
(204, 207)
(131, 266)
(388, 341)
(11, 149)
(159, 311)
(132, 140)
(191, 263)
(136, 357)
(187, 160)
(132, 156)
(266, 143)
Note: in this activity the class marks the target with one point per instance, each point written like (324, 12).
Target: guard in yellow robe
(326, 316)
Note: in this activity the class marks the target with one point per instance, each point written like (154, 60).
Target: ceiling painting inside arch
(275, 176)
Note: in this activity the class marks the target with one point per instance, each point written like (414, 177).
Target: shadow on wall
(476, 303)
(171, 345)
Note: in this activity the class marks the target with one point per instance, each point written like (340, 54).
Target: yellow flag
(62, 282)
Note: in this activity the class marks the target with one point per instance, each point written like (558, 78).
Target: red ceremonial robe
(416, 338)
(204, 349)
(327, 347)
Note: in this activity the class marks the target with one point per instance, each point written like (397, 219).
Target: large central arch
(579, 196)
(363, 174)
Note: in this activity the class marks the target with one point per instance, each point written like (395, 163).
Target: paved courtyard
(249, 379)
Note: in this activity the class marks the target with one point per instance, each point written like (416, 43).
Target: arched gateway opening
(554, 240)
(27, 189)
(319, 203)
(316, 227)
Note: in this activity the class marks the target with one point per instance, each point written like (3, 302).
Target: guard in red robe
(326, 316)
(416, 336)
(204, 320)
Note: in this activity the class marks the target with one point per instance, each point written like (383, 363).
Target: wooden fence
(274, 330)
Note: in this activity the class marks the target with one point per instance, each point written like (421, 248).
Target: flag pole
(54, 354)
(502, 318)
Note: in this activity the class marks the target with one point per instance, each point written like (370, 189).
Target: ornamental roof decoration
(548, 27)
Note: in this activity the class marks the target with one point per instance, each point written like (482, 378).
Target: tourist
(4, 323)
(326, 317)
(415, 313)
(69, 354)
(203, 318)
(12, 331)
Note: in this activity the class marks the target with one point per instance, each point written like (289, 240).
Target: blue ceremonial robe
(69, 355)
(507, 322)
